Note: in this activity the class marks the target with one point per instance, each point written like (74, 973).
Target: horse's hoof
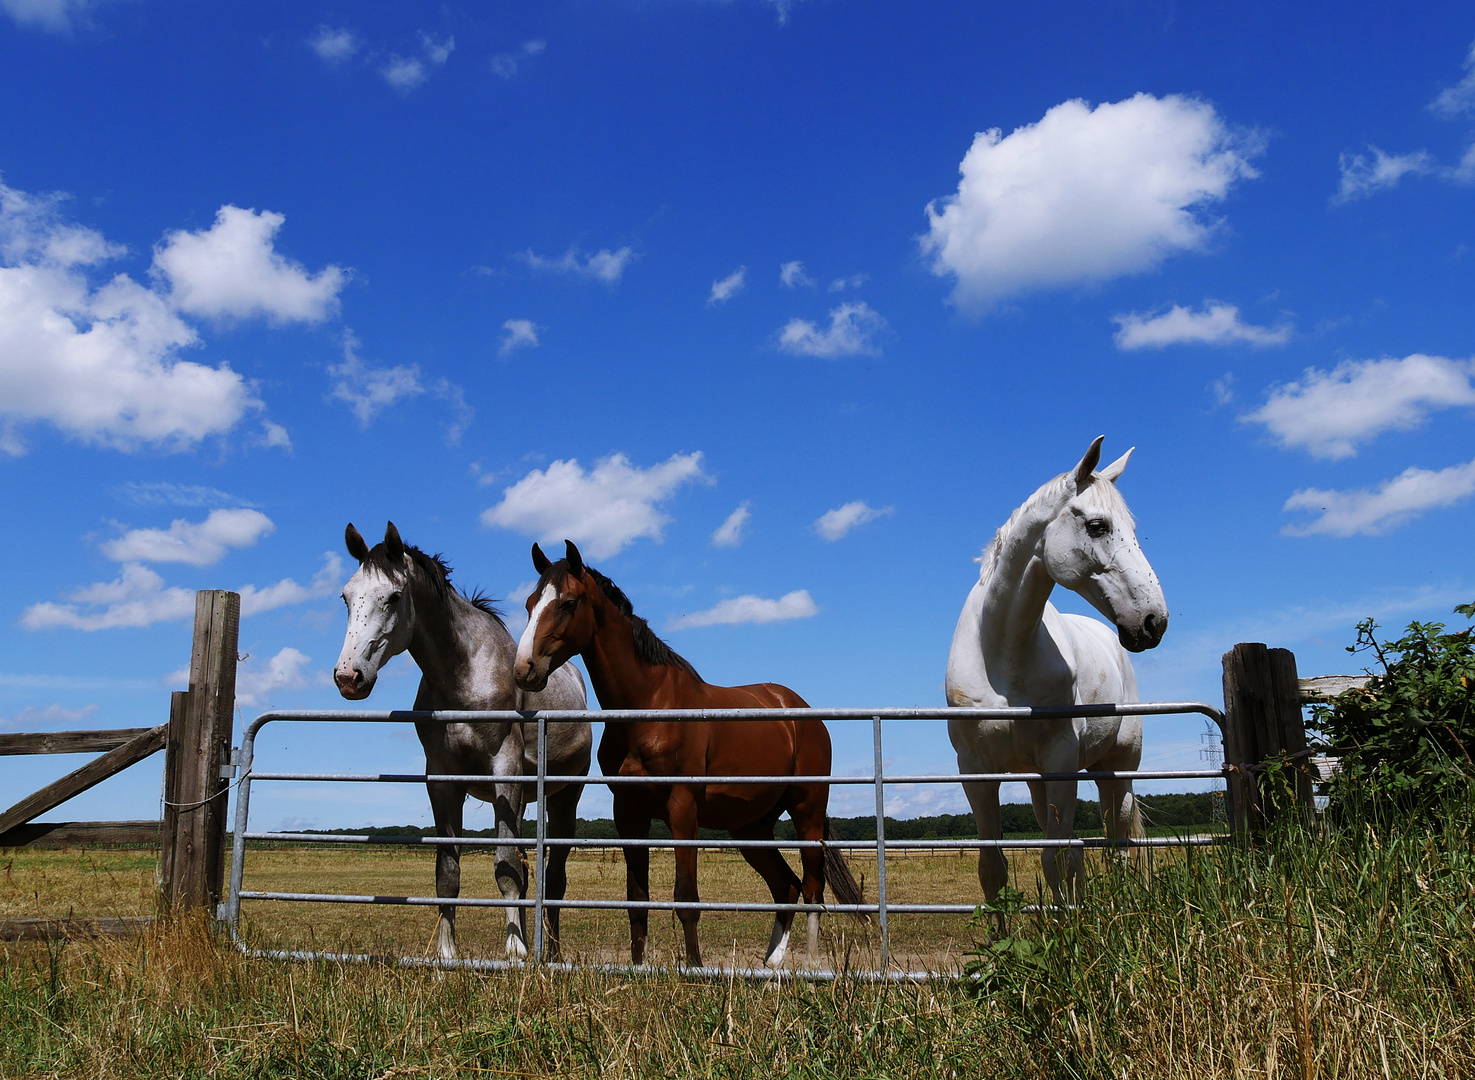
(516, 948)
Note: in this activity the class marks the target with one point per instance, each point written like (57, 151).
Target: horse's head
(1091, 548)
(381, 612)
(560, 618)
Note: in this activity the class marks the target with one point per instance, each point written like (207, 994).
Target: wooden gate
(196, 741)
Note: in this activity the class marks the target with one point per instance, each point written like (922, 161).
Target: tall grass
(1348, 952)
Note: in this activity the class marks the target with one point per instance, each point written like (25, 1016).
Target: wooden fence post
(1263, 724)
(192, 864)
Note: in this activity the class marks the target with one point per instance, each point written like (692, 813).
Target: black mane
(438, 572)
(648, 646)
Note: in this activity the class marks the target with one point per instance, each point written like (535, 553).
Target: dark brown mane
(438, 572)
(648, 646)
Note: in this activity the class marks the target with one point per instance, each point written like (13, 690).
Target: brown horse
(577, 610)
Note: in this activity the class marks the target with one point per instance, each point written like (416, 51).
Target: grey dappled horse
(402, 598)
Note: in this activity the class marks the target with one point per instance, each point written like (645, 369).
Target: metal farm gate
(245, 758)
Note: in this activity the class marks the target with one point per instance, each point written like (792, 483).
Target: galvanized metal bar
(1063, 712)
(238, 841)
(540, 857)
(920, 778)
(606, 905)
(881, 847)
(951, 844)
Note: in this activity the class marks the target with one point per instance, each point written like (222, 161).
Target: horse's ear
(1089, 462)
(1112, 471)
(356, 546)
(394, 547)
(575, 560)
(541, 562)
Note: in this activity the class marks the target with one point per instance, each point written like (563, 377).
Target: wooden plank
(197, 861)
(67, 742)
(47, 929)
(1321, 688)
(89, 775)
(58, 834)
(1291, 725)
(169, 827)
(1244, 701)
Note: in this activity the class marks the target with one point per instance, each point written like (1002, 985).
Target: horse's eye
(1098, 527)
(393, 599)
(569, 606)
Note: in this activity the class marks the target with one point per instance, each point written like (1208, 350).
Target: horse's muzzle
(352, 685)
(1146, 636)
(529, 678)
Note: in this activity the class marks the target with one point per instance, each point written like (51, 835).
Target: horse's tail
(842, 882)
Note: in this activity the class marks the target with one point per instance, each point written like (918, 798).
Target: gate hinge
(228, 772)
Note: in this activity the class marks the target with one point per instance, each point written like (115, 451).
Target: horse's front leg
(993, 868)
(633, 823)
(682, 811)
(446, 803)
(510, 872)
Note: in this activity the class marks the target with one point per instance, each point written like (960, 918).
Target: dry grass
(1348, 954)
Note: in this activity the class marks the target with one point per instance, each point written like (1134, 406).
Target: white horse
(402, 598)
(1012, 647)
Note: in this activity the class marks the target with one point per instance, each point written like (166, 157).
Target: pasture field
(1326, 953)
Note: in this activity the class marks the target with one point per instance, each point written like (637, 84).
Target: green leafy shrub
(1405, 738)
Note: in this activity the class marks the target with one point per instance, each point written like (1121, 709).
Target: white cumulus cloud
(1392, 503)
(232, 270)
(517, 334)
(750, 609)
(852, 332)
(728, 287)
(58, 16)
(732, 531)
(287, 670)
(604, 265)
(139, 597)
(196, 543)
(1084, 195)
(99, 363)
(369, 390)
(334, 45)
(602, 509)
(1217, 324)
(835, 524)
(1328, 413)
(791, 275)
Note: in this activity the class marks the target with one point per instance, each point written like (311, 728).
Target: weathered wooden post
(192, 864)
(1263, 726)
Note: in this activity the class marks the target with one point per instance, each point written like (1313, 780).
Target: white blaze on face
(530, 632)
(371, 624)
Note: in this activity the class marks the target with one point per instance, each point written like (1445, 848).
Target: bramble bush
(1406, 738)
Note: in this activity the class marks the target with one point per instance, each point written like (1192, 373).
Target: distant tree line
(1172, 811)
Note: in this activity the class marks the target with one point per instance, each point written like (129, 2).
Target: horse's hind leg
(633, 824)
(1120, 813)
(1055, 809)
(562, 822)
(783, 884)
(446, 803)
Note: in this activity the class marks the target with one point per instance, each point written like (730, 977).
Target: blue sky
(777, 308)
